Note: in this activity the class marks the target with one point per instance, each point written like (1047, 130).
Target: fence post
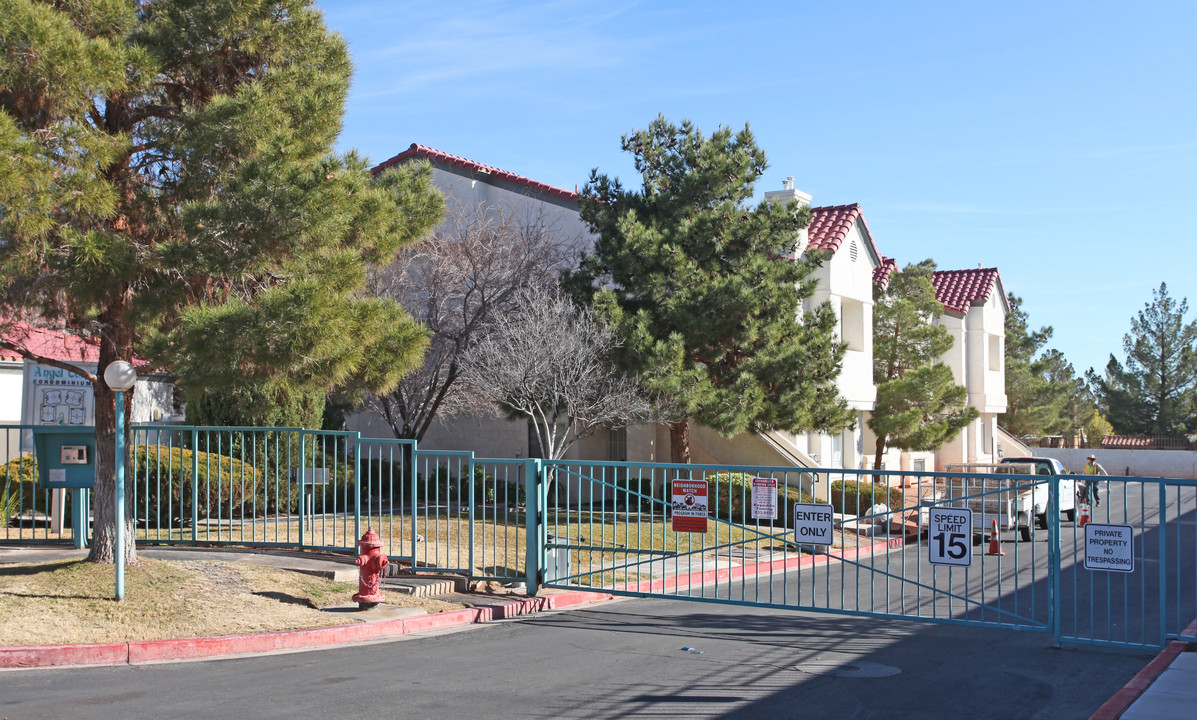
(195, 485)
(472, 517)
(357, 490)
(1163, 557)
(1054, 554)
(413, 469)
(533, 481)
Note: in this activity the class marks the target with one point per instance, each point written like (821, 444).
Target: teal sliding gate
(1128, 578)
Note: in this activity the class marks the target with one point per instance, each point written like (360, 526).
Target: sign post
(689, 506)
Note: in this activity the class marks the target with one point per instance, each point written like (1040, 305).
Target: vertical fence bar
(194, 485)
(303, 510)
(1054, 554)
(1163, 563)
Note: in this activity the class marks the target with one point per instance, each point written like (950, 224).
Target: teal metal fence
(749, 535)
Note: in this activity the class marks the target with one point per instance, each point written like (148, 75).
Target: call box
(65, 456)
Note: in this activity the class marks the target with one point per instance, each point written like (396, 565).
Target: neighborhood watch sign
(59, 397)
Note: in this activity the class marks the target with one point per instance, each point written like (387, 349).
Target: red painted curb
(32, 656)
(1124, 698)
(150, 651)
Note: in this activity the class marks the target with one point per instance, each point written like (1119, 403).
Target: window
(995, 352)
(617, 444)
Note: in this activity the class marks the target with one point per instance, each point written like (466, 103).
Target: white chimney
(786, 195)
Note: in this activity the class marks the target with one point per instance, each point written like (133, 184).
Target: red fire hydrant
(371, 564)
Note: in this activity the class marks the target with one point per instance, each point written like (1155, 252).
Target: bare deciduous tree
(549, 361)
(456, 283)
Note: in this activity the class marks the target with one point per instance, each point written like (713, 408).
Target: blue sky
(1056, 141)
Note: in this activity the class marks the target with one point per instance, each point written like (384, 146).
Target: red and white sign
(764, 498)
(689, 506)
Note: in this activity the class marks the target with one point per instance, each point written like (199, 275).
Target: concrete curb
(139, 652)
(1133, 690)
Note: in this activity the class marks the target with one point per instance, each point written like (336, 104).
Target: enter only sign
(812, 524)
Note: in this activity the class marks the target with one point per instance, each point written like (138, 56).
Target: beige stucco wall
(465, 191)
(848, 286)
(11, 390)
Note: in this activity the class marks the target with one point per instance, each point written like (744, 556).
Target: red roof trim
(472, 166)
(1153, 442)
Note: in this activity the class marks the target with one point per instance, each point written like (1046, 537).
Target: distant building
(975, 308)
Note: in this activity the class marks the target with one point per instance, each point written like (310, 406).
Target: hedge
(729, 494)
(19, 490)
(855, 498)
(227, 487)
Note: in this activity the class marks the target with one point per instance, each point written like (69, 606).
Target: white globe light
(120, 376)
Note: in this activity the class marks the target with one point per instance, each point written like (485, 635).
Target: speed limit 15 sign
(949, 536)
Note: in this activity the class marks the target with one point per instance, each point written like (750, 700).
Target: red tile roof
(958, 289)
(883, 271)
(445, 158)
(829, 226)
(52, 344)
(1143, 442)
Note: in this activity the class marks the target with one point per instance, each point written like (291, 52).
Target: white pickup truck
(1012, 503)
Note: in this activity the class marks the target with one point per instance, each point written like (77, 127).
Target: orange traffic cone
(995, 545)
(1084, 514)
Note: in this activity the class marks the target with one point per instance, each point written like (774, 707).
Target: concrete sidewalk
(1164, 690)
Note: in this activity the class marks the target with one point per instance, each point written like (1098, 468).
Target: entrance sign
(60, 397)
(1109, 547)
(764, 498)
(689, 506)
(949, 536)
(813, 524)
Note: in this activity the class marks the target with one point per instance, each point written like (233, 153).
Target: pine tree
(1032, 403)
(1155, 392)
(706, 291)
(919, 406)
(168, 188)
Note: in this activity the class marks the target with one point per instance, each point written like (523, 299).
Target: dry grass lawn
(71, 602)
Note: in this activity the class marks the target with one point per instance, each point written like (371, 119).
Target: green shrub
(730, 498)
(226, 488)
(855, 498)
(19, 490)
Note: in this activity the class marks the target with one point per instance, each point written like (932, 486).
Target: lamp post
(120, 376)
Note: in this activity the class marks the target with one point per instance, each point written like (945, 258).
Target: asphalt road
(617, 660)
